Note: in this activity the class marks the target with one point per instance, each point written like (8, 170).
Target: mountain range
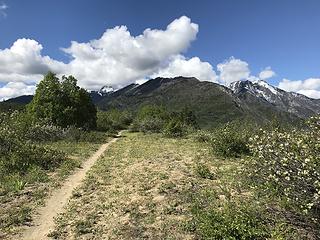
(212, 103)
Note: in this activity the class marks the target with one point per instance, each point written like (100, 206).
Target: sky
(121, 42)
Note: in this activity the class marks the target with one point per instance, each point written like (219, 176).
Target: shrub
(203, 171)
(230, 141)
(103, 121)
(151, 119)
(113, 120)
(43, 133)
(22, 161)
(17, 156)
(229, 221)
(175, 128)
(93, 136)
(153, 125)
(287, 165)
(157, 119)
(202, 136)
(188, 118)
(74, 134)
(180, 124)
(14, 125)
(120, 119)
(18, 125)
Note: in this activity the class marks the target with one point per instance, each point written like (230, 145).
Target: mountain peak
(107, 89)
(259, 88)
(266, 85)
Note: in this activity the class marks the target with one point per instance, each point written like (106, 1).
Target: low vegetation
(166, 177)
(39, 149)
(156, 119)
(230, 140)
(153, 186)
(285, 167)
(113, 120)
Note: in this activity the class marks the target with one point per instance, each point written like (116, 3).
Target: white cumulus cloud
(22, 66)
(309, 87)
(118, 58)
(23, 62)
(24, 57)
(13, 89)
(193, 67)
(266, 73)
(233, 70)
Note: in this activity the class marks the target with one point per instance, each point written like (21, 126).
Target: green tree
(62, 103)
(188, 117)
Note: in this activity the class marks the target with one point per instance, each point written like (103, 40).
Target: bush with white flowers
(287, 165)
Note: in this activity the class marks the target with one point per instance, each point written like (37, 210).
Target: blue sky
(283, 35)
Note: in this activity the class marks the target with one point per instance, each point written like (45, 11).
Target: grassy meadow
(148, 186)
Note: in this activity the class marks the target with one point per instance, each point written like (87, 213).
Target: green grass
(24, 193)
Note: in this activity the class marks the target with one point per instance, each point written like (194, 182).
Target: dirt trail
(44, 222)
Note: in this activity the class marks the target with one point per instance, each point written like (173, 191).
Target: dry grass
(141, 189)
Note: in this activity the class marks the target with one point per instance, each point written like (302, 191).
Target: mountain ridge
(212, 103)
(295, 103)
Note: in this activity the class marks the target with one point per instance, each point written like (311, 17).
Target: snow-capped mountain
(106, 90)
(213, 103)
(291, 102)
(259, 88)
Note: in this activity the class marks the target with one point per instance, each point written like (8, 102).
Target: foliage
(17, 125)
(44, 132)
(23, 158)
(18, 159)
(180, 123)
(104, 122)
(203, 171)
(113, 120)
(229, 221)
(203, 136)
(157, 119)
(62, 103)
(74, 134)
(286, 165)
(175, 128)
(10, 107)
(150, 118)
(187, 117)
(230, 140)
(14, 125)
(19, 156)
(150, 125)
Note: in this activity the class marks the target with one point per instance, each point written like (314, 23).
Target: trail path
(44, 222)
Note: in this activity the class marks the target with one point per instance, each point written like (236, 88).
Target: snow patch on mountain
(266, 85)
(258, 88)
(106, 90)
